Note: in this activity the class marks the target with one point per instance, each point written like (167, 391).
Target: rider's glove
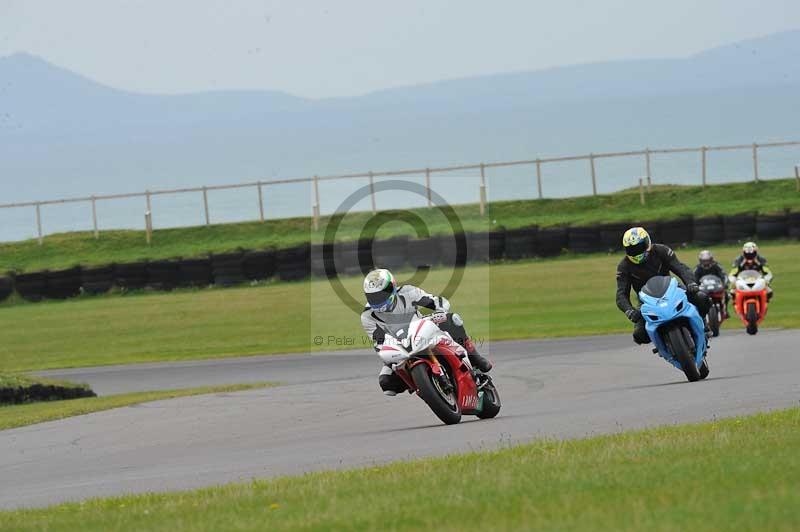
(692, 288)
(634, 315)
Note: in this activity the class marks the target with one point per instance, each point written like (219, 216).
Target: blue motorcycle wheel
(682, 350)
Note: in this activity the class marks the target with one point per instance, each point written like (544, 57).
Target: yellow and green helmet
(637, 244)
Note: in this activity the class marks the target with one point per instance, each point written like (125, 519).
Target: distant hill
(61, 133)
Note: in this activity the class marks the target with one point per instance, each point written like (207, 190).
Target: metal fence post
(797, 176)
(539, 177)
(641, 191)
(260, 203)
(755, 161)
(428, 186)
(94, 218)
(594, 178)
(483, 189)
(205, 205)
(372, 193)
(39, 223)
(315, 207)
(704, 151)
(648, 175)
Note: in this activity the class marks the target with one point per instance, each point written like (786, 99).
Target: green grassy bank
(738, 474)
(565, 296)
(69, 249)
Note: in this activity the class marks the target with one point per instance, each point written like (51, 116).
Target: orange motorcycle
(750, 299)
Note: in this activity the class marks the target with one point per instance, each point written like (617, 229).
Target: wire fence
(535, 168)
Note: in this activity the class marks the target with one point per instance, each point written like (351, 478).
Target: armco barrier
(294, 264)
(99, 280)
(259, 265)
(63, 284)
(739, 227)
(793, 224)
(770, 226)
(226, 268)
(584, 239)
(676, 232)
(521, 243)
(163, 274)
(31, 286)
(195, 272)
(708, 230)
(131, 276)
(6, 287)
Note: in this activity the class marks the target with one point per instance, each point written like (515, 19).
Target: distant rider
(644, 260)
(751, 260)
(389, 304)
(707, 265)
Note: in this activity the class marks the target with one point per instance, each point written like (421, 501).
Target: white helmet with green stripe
(380, 288)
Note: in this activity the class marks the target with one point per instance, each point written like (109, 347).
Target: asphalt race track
(331, 414)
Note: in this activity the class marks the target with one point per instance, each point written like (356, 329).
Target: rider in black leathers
(654, 259)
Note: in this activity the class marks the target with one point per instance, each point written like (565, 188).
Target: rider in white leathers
(388, 304)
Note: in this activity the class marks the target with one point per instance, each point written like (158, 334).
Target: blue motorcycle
(675, 326)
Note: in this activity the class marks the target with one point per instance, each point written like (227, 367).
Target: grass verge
(68, 249)
(735, 474)
(566, 296)
(28, 414)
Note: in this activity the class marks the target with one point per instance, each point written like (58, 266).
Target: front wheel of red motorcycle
(443, 402)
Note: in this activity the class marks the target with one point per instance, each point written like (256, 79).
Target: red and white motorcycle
(437, 368)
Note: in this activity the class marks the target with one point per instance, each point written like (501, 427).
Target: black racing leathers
(660, 261)
(715, 270)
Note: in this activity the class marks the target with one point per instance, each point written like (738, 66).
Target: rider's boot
(475, 358)
(390, 383)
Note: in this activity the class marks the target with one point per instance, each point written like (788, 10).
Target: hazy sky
(347, 47)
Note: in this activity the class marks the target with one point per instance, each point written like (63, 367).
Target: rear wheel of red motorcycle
(491, 402)
(443, 404)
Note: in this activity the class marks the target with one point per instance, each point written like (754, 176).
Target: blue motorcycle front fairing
(673, 305)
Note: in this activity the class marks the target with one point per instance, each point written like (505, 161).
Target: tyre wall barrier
(98, 280)
(226, 268)
(708, 230)
(31, 286)
(423, 252)
(739, 227)
(584, 239)
(452, 251)
(294, 264)
(391, 253)
(131, 276)
(163, 274)
(652, 227)
(676, 232)
(521, 243)
(259, 265)
(770, 226)
(195, 272)
(611, 235)
(323, 262)
(346, 257)
(62, 284)
(793, 224)
(550, 241)
(41, 392)
(6, 287)
(478, 247)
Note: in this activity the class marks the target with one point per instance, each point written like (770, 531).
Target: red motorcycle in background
(713, 286)
(750, 299)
